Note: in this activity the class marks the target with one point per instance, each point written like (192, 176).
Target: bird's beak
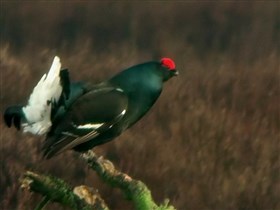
(175, 72)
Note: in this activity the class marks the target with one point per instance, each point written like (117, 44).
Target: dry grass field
(212, 141)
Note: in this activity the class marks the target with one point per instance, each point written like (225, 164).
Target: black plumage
(91, 115)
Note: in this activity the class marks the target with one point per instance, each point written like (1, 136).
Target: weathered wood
(86, 198)
(56, 190)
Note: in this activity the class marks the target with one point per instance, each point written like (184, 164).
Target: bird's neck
(142, 91)
(138, 84)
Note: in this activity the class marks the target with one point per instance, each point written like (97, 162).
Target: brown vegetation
(210, 142)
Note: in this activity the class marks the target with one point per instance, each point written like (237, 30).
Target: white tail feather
(38, 110)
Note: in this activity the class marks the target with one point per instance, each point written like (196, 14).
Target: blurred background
(212, 139)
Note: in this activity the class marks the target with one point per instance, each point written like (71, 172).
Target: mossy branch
(135, 190)
(83, 197)
(56, 190)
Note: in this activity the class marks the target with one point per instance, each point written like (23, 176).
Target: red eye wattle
(168, 63)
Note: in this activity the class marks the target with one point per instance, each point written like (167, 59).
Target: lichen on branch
(134, 190)
(56, 190)
(85, 198)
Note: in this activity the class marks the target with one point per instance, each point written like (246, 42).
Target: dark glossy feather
(65, 82)
(103, 106)
(12, 116)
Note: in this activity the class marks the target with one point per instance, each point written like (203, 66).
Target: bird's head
(169, 68)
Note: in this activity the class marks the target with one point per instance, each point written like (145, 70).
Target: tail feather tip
(12, 116)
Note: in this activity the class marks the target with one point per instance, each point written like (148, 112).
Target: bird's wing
(91, 115)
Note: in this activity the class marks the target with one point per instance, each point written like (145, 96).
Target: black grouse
(82, 115)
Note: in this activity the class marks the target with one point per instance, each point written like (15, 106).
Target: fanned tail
(38, 110)
(47, 97)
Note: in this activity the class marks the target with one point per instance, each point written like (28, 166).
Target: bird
(82, 115)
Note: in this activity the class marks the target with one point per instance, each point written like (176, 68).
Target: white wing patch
(119, 89)
(38, 110)
(82, 139)
(90, 126)
(123, 112)
(95, 126)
